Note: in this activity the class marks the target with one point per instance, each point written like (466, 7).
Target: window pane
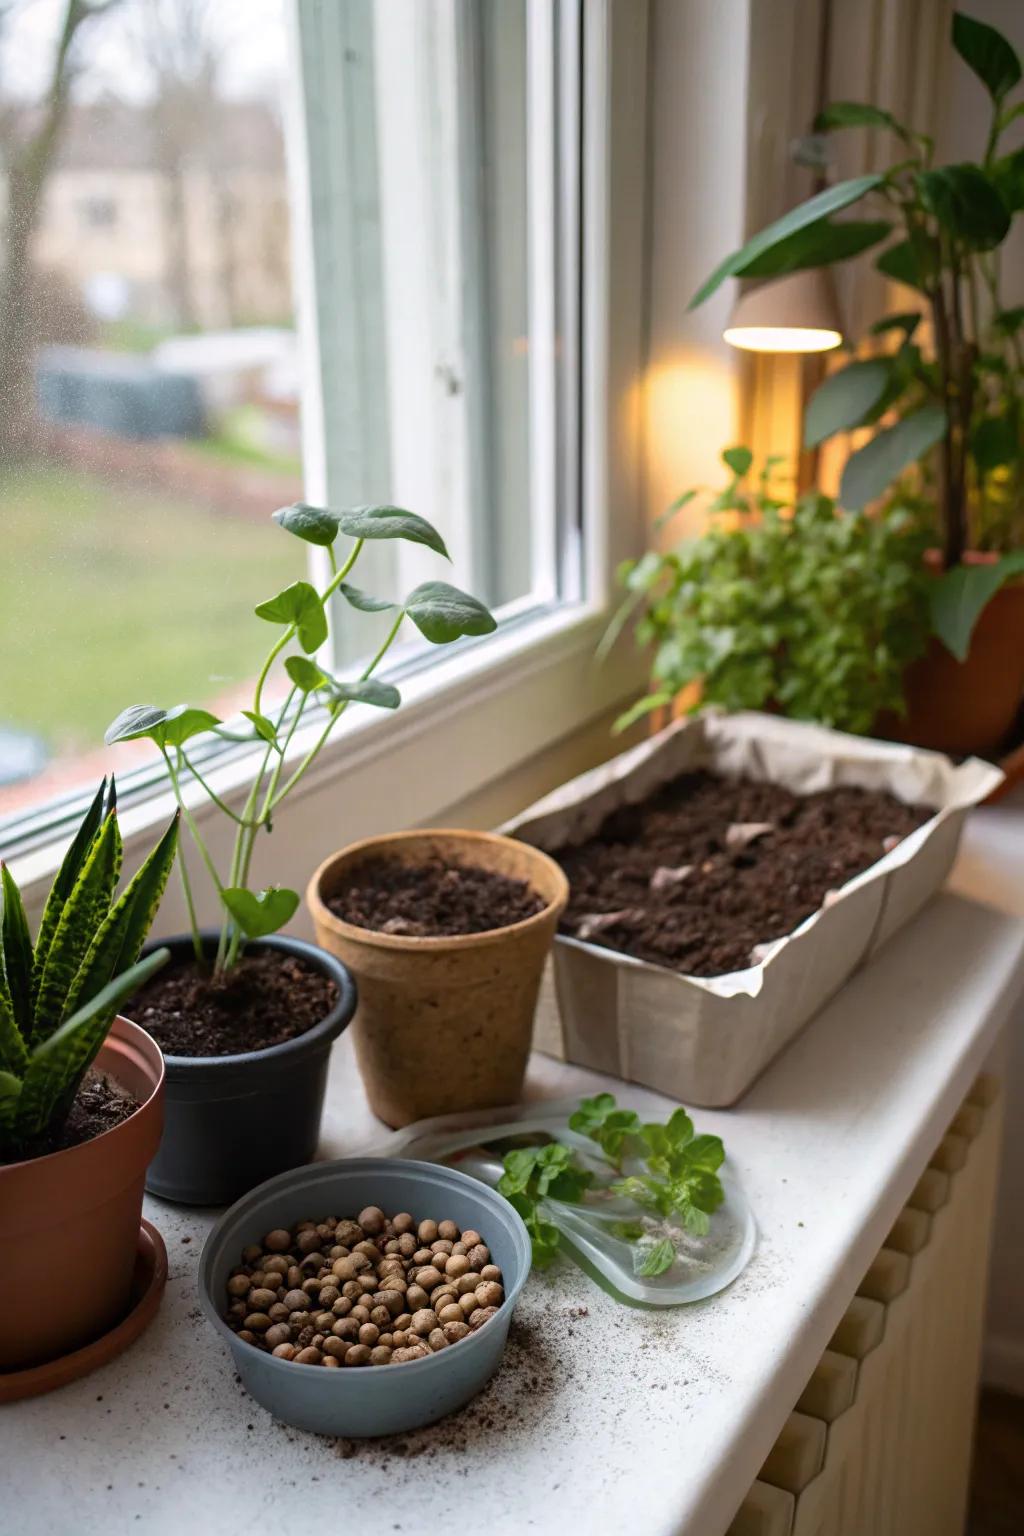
(149, 360)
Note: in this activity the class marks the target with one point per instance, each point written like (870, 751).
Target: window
(431, 155)
(98, 212)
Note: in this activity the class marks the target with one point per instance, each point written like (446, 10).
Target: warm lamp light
(796, 313)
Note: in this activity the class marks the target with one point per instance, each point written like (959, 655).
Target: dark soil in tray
(708, 868)
(436, 899)
(100, 1105)
(263, 1000)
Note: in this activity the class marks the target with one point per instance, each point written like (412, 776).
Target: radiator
(879, 1444)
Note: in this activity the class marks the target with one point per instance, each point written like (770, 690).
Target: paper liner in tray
(705, 1039)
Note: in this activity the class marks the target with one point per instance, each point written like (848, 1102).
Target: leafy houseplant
(440, 612)
(59, 996)
(58, 1001)
(245, 978)
(812, 610)
(957, 391)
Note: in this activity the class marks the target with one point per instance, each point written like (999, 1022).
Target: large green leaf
(988, 53)
(817, 245)
(843, 399)
(872, 469)
(915, 265)
(167, 727)
(57, 1064)
(958, 598)
(314, 524)
(966, 204)
(83, 913)
(391, 523)
(64, 882)
(995, 441)
(300, 605)
(442, 613)
(365, 690)
(16, 944)
(857, 114)
(121, 935)
(260, 913)
(1008, 178)
(818, 207)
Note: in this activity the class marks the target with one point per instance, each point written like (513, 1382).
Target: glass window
(415, 155)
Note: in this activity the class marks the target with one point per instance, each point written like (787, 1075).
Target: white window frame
(481, 711)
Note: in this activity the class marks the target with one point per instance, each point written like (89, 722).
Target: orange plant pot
(69, 1222)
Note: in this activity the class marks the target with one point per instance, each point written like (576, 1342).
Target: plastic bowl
(374, 1400)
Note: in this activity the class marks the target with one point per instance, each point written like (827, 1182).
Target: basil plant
(938, 230)
(298, 615)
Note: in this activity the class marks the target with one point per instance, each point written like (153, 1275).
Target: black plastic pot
(232, 1121)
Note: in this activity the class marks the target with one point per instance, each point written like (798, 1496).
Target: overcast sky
(253, 34)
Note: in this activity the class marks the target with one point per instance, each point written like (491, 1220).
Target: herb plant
(59, 996)
(960, 391)
(811, 610)
(678, 1179)
(299, 614)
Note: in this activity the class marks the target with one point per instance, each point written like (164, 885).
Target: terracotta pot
(969, 706)
(443, 1024)
(69, 1222)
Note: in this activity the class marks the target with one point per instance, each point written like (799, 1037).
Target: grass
(112, 596)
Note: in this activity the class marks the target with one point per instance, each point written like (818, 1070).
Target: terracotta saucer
(148, 1283)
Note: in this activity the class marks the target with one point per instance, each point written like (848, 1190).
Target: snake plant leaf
(16, 946)
(391, 523)
(121, 935)
(64, 881)
(442, 613)
(13, 1053)
(57, 1065)
(818, 207)
(301, 606)
(10, 1092)
(82, 914)
(987, 52)
(260, 913)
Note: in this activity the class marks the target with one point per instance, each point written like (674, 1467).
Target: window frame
(488, 707)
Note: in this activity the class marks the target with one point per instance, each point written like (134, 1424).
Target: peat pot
(70, 1221)
(443, 1024)
(233, 1121)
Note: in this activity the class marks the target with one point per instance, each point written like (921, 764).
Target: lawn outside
(111, 594)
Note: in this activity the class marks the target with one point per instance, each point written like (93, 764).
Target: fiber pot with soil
(446, 933)
(80, 1102)
(246, 1020)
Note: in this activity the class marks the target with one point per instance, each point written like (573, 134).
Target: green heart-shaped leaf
(260, 913)
(366, 690)
(738, 460)
(314, 524)
(362, 600)
(306, 675)
(167, 727)
(391, 523)
(300, 605)
(442, 613)
(844, 399)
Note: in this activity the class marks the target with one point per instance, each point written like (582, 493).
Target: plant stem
(197, 942)
(221, 805)
(275, 651)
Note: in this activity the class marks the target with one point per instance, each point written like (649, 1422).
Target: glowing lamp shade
(796, 313)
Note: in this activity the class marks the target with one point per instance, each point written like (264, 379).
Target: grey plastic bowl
(373, 1400)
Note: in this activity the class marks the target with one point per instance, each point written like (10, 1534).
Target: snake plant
(59, 996)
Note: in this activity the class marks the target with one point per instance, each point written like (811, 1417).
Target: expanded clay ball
(364, 1292)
